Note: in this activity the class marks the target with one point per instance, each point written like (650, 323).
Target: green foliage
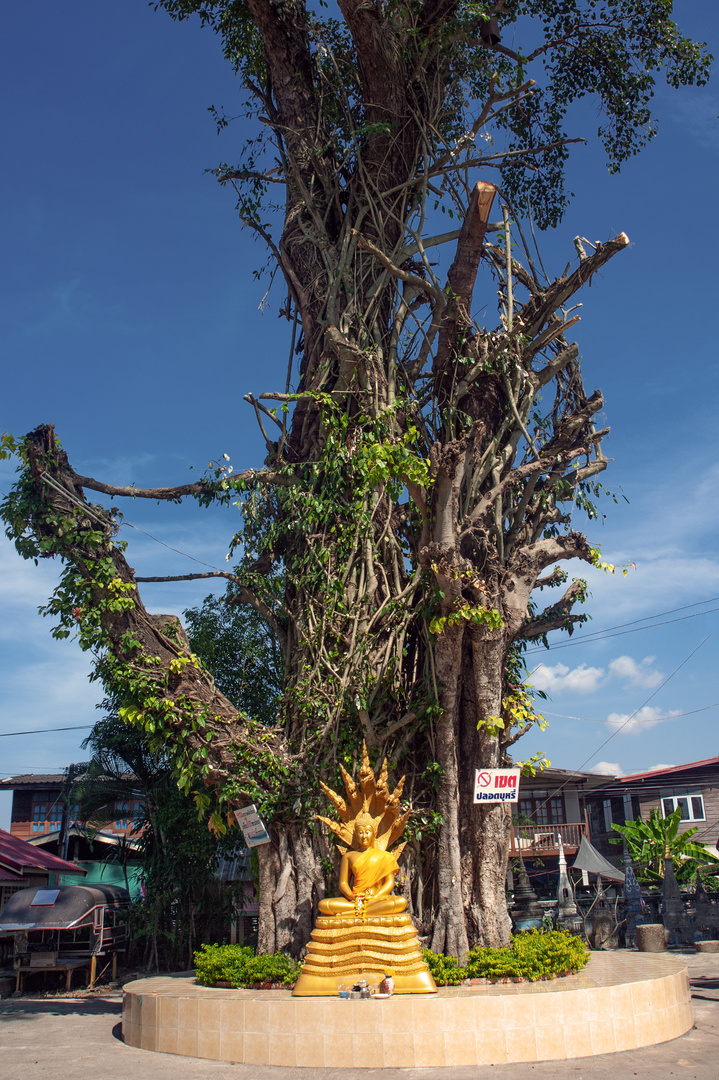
(518, 711)
(478, 616)
(445, 970)
(177, 852)
(9, 446)
(532, 955)
(611, 51)
(240, 966)
(652, 842)
(243, 654)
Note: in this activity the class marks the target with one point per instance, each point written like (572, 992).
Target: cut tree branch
(557, 616)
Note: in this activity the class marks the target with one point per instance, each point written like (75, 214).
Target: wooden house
(692, 788)
(551, 805)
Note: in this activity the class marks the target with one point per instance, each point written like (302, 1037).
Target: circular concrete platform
(620, 1001)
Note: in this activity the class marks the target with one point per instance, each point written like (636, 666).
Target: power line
(627, 721)
(170, 548)
(86, 510)
(44, 730)
(658, 615)
(644, 703)
(643, 720)
(601, 635)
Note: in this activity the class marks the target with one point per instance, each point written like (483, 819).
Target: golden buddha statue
(365, 932)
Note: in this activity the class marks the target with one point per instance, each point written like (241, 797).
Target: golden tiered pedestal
(344, 948)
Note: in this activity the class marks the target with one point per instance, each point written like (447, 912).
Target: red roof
(670, 769)
(9, 875)
(16, 855)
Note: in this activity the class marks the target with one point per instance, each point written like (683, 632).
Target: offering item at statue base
(366, 931)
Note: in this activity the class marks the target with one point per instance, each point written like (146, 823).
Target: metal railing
(543, 839)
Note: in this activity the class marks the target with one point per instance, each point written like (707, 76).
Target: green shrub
(531, 955)
(445, 970)
(240, 966)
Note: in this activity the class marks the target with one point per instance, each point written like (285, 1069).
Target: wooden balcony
(541, 841)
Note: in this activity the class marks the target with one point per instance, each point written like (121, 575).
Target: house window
(691, 806)
(39, 813)
(537, 808)
(121, 809)
(138, 811)
(55, 817)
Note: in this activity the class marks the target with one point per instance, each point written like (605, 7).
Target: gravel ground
(78, 1037)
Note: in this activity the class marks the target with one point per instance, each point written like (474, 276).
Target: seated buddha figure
(366, 932)
(372, 873)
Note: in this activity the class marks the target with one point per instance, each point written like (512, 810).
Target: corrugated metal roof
(9, 875)
(15, 854)
(235, 867)
(669, 770)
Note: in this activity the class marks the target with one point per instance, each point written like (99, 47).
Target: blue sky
(130, 318)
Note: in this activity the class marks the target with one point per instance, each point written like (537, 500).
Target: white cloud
(608, 768)
(586, 680)
(645, 718)
(627, 669)
(580, 680)
(655, 768)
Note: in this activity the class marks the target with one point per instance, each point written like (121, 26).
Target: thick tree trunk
(484, 829)
(268, 865)
(291, 886)
(449, 931)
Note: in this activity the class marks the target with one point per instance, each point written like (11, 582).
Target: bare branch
(190, 577)
(573, 545)
(540, 308)
(200, 487)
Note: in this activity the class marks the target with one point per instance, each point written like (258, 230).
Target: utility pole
(66, 798)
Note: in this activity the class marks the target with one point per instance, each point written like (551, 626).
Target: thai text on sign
(496, 785)
(252, 825)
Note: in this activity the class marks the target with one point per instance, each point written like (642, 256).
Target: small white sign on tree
(252, 825)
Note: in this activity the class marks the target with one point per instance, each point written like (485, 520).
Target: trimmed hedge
(532, 955)
(240, 966)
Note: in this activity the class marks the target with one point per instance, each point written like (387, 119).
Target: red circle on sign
(483, 779)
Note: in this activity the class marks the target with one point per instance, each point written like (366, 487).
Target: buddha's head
(365, 832)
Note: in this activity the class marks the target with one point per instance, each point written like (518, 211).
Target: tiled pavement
(79, 1039)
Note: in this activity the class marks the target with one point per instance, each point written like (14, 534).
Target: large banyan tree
(422, 468)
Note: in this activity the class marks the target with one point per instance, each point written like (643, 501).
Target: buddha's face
(364, 836)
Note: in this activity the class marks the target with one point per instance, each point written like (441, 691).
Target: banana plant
(652, 842)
